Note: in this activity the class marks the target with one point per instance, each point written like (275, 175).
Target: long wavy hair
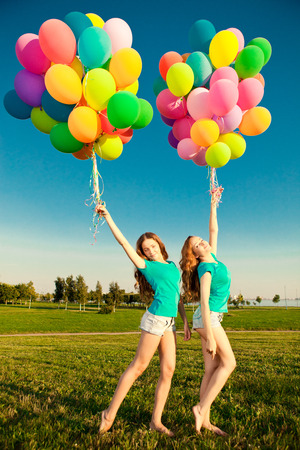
(141, 283)
(189, 264)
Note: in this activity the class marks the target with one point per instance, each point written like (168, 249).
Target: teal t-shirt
(164, 280)
(220, 284)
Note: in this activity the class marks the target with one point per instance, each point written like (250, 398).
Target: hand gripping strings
(214, 189)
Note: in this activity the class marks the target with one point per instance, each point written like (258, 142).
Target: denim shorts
(157, 324)
(215, 319)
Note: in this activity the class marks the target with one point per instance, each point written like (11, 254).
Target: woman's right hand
(101, 210)
(211, 347)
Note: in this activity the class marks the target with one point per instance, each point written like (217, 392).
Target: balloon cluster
(209, 97)
(79, 85)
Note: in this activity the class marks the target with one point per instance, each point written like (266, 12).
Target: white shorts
(157, 325)
(215, 319)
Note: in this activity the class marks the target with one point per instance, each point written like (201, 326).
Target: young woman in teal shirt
(156, 275)
(207, 278)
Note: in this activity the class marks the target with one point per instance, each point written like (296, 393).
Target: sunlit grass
(53, 389)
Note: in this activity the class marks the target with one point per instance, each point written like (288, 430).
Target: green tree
(70, 291)
(81, 291)
(276, 298)
(60, 289)
(8, 293)
(98, 294)
(258, 299)
(26, 292)
(114, 296)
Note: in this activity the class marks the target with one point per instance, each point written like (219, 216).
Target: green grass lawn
(53, 389)
(42, 318)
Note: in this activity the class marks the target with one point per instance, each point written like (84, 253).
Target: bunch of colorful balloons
(79, 85)
(210, 97)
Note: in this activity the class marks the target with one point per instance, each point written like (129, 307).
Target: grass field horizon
(53, 388)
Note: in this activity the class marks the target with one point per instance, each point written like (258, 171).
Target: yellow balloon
(125, 66)
(217, 155)
(180, 79)
(76, 65)
(98, 86)
(223, 48)
(63, 83)
(96, 20)
(109, 147)
(205, 132)
(235, 142)
(134, 87)
(255, 121)
(41, 120)
(84, 124)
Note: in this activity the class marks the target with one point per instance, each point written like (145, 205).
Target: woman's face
(199, 246)
(151, 249)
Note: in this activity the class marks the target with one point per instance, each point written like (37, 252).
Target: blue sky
(44, 227)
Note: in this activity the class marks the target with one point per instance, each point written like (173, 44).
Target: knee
(168, 371)
(138, 368)
(230, 365)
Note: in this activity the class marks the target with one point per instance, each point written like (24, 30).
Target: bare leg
(146, 348)
(214, 383)
(167, 355)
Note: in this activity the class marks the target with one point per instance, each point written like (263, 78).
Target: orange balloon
(255, 121)
(85, 153)
(63, 83)
(185, 56)
(260, 78)
(205, 132)
(125, 66)
(84, 124)
(167, 60)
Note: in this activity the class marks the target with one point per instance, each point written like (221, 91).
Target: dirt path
(134, 332)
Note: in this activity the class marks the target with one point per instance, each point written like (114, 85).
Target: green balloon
(145, 115)
(42, 121)
(264, 45)
(249, 61)
(159, 85)
(123, 109)
(62, 139)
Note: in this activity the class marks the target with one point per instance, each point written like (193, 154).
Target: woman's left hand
(187, 332)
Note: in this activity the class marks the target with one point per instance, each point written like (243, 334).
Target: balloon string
(95, 196)
(214, 189)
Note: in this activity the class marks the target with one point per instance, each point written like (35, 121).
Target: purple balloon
(172, 140)
(167, 121)
(30, 87)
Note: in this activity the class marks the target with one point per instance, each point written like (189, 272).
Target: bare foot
(198, 418)
(161, 429)
(209, 426)
(105, 423)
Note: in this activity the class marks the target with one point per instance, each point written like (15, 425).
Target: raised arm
(131, 253)
(213, 226)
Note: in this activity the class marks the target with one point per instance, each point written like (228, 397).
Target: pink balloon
(119, 32)
(29, 87)
(30, 55)
(57, 41)
(198, 104)
(167, 121)
(171, 106)
(232, 120)
(199, 159)
(219, 121)
(239, 36)
(182, 127)
(172, 140)
(223, 96)
(227, 73)
(187, 149)
(251, 91)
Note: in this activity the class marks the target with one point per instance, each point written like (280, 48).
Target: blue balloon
(159, 85)
(94, 47)
(200, 35)
(57, 110)
(78, 22)
(15, 106)
(201, 66)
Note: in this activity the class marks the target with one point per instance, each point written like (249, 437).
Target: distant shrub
(106, 309)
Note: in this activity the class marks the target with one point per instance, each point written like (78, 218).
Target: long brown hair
(189, 265)
(141, 282)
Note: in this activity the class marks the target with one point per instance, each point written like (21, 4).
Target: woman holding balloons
(207, 278)
(154, 273)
